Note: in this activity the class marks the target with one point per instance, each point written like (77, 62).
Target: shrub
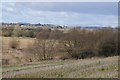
(7, 32)
(108, 48)
(44, 46)
(84, 44)
(14, 43)
(29, 33)
(108, 43)
(5, 61)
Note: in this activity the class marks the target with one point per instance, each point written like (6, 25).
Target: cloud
(59, 0)
(108, 8)
(61, 13)
(83, 7)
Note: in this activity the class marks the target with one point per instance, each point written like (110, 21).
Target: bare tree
(45, 44)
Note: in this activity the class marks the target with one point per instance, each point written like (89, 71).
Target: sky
(62, 13)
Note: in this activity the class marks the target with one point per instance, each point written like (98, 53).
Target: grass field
(24, 42)
(83, 68)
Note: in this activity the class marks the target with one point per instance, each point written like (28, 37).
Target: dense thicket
(83, 44)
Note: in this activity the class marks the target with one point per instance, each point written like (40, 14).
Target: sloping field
(84, 68)
(24, 42)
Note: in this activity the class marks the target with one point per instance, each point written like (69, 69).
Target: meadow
(24, 42)
(55, 54)
(83, 68)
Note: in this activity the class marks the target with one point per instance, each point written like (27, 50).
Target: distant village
(29, 26)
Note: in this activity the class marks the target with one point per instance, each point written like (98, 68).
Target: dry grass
(24, 42)
(86, 68)
(15, 55)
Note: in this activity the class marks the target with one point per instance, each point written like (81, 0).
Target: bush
(108, 48)
(7, 32)
(84, 44)
(44, 46)
(29, 33)
(108, 42)
(14, 43)
(5, 61)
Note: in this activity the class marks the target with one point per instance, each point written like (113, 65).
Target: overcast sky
(63, 13)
